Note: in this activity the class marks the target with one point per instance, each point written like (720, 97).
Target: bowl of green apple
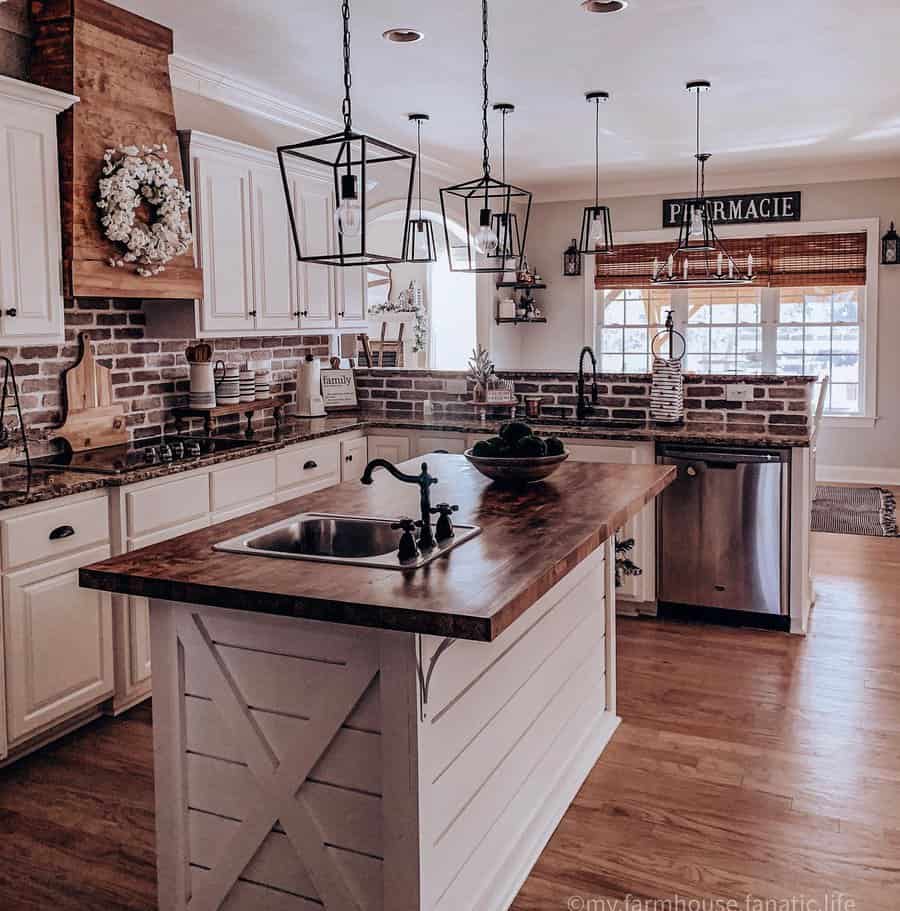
(517, 455)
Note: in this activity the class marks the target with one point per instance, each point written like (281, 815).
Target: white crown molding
(200, 79)
(36, 95)
(723, 181)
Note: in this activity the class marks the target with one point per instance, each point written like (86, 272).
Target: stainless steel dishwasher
(722, 530)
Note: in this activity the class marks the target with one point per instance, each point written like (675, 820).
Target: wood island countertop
(531, 538)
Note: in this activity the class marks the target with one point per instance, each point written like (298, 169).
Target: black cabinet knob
(11, 311)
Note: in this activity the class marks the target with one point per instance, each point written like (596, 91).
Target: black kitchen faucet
(582, 409)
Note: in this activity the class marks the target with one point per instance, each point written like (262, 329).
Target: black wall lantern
(350, 161)
(890, 247)
(572, 259)
(487, 203)
(420, 246)
(596, 223)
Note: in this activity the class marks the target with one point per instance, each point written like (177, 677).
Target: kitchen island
(360, 738)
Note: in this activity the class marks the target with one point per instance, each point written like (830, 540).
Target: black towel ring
(668, 335)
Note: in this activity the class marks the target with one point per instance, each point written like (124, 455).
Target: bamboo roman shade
(780, 261)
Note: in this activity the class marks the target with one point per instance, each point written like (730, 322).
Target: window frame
(868, 414)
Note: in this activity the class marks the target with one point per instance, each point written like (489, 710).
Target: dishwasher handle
(721, 459)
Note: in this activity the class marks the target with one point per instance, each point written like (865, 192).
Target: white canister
(309, 388)
(507, 308)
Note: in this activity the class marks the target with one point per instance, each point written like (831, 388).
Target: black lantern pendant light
(420, 246)
(596, 223)
(483, 199)
(697, 234)
(506, 226)
(350, 161)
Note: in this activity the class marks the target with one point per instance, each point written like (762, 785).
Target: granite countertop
(531, 538)
(15, 490)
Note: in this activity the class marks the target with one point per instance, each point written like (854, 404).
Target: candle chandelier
(697, 233)
(351, 162)
(420, 246)
(489, 204)
(596, 223)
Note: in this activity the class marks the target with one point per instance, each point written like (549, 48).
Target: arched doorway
(445, 337)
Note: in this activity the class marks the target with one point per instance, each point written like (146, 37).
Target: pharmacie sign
(750, 208)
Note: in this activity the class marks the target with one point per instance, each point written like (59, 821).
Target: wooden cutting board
(92, 419)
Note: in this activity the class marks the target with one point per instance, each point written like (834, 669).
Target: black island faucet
(582, 409)
(425, 481)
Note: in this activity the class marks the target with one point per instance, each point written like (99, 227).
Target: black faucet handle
(444, 528)
(407, 549)
(426, 478)
(404, 524)
(444, 509)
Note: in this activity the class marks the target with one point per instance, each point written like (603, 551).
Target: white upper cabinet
(222, 234)
(273, 257)
(31, 303)
(316, 285)
(253, 283)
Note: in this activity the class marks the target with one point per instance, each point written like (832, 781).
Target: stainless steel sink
(325, 538)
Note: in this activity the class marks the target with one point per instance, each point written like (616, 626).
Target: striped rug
(854, 511)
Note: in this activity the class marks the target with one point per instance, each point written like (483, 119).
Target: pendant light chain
(486, 156)
(597, 153)
(419, 161)
(346, 107)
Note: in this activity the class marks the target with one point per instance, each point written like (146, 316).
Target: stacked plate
(263, 384)
(228, 391)
(247, 385)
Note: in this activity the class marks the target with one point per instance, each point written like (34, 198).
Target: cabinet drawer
(164, 505)
(582, 452)
(318, 463)
(435, 443)
(243, 482)
(54, 532)
(353, 459)
(58, 638)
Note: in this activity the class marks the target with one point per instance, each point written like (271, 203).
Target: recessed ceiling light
(403, 35)
(604, 6)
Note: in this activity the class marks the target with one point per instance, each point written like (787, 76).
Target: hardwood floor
(750, 766)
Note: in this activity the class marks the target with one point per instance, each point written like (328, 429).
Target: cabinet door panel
(353, 459)
(58, 639)
(222, 224)
(30, 246)
(273, 257)
(138, 663)
(316, 285)
(394, 449)
(426, 443)
(352, 301)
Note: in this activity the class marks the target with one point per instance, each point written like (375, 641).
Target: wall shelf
(184, 412)
(504, 320)
(523, 286)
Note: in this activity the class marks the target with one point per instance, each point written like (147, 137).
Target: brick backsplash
(780, 404)
(150, 376)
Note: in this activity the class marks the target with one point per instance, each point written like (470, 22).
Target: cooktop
(113, 460)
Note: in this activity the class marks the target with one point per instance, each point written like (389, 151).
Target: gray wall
(14, 33)
(556, 345)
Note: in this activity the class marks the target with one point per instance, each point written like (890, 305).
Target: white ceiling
(800, 87)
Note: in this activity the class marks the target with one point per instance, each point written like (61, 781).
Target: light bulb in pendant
(697, 226)
(486, 240)
(598, 228)
(348, 215)
(421, 238)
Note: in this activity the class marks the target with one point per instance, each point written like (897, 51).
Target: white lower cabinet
(439, 442)
(642, 588)
(392, 448)
(354, 455)
(58, 644)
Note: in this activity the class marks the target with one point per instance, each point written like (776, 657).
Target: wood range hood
(117, 63)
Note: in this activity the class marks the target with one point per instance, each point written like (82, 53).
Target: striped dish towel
(667, 391)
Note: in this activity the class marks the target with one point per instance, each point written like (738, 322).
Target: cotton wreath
(131, 177)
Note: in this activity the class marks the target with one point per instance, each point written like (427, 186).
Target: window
(630, 318)
(745, 330)
(724, 330)
(820, 330)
